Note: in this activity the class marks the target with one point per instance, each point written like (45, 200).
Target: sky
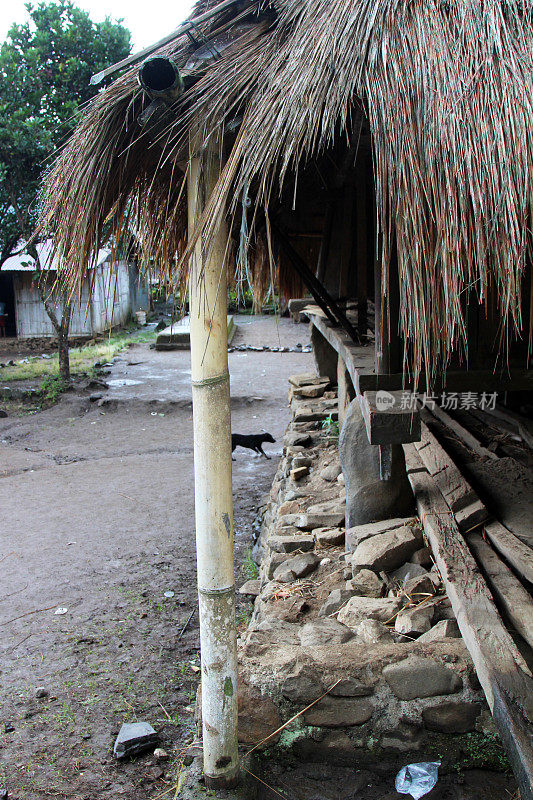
(147, 21)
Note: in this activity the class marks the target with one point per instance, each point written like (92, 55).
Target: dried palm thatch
(447, 87)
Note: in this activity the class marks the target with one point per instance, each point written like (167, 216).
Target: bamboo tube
(212, 480)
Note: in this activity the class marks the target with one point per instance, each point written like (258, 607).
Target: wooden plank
(455, 381)
(356, 357)
(386, 421)
(456, 490)
(502, 672)
(516, 601)
(462, 433)
(518, 554)
(469, 511)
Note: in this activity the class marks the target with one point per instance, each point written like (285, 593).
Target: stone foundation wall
(365, 629)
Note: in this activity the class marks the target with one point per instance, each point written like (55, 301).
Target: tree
(45, 68)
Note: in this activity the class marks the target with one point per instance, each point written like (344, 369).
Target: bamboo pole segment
(212, 480)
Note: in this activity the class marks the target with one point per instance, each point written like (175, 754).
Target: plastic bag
(417, 779)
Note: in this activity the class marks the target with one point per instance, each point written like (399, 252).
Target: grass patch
(249, 567)
(82, 359)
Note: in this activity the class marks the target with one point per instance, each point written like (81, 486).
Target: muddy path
(96, 499)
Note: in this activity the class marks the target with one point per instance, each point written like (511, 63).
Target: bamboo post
(212, 481)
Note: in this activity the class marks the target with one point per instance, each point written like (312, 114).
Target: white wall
(109, 305)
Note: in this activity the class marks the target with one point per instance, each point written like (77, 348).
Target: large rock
(134, 738)
(324, 633)
(408, 571)
(301, 461)
(385, 551)
(369, 498)
(288, 544)
(331, 473)
(272, 631)
(335, 600)
(414, 621)
(358, 608)
(420, 677)
(370, 631)
(349, 687)
(358, 533)
(322, 515)
(339, 712)
(366, 583)
(297, 567)
(329, 537)
(451, 717)
(303, 685)
(306, 379)
(423, 585)
(273, 562)
(298, 440)
(251, 588)
(445, 629)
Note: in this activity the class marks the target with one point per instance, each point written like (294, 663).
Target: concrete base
(178, 335)
(368, 498)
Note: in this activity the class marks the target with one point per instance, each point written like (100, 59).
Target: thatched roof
(447, 88)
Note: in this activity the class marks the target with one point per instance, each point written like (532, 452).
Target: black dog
(253, 441)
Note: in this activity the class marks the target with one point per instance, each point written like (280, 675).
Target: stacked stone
(358, 616)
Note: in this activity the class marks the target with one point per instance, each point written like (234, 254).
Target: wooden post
(212, 482)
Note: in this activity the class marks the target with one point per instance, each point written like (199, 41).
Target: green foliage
(249, 567)
(331, 427)
(45, 67)
(240, 300)
(51, 389)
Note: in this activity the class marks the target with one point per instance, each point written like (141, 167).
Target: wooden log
(502, 672)
(513, 598)
(469, 511)
(465, 436)
(518, 554)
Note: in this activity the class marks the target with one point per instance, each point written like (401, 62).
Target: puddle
(123, 382)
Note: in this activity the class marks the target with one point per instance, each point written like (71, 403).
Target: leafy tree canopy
(45, 68)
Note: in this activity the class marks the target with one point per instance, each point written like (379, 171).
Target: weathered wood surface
(453, 381)
(518, 554)
(513, 598)
(406, 426)
(468, 509)
(502, 672)
(462, 433)
(389, 425)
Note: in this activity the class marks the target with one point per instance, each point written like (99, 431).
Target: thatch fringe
(447, 88)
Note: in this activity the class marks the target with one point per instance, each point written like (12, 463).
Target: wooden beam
(468, 509)
(518, 554)
(330, 307)
(502, 672)
(456, 381)
(465, 436)
(513, 598)
(389, 424)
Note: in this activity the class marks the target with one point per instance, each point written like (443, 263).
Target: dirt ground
(97, 506)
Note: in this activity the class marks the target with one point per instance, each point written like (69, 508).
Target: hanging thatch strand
(447, 88)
